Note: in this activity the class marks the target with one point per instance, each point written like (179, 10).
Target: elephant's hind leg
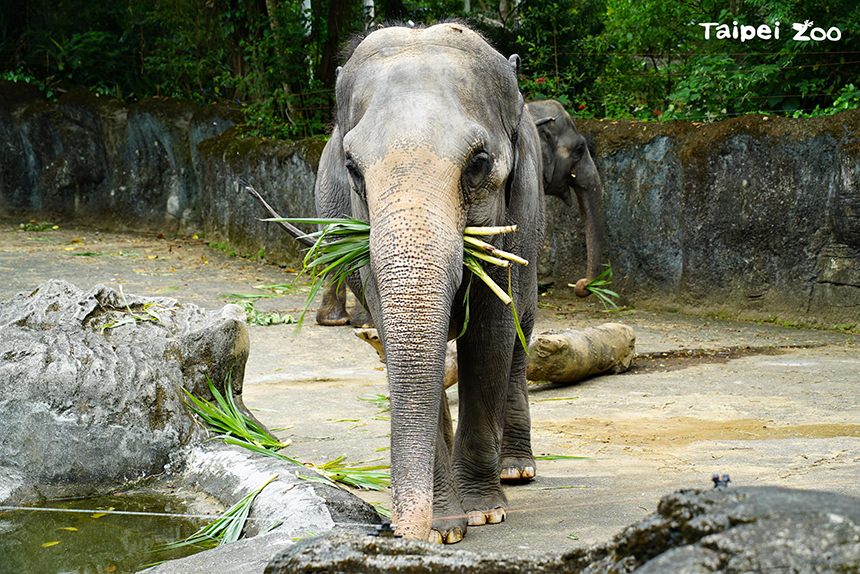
(332, 310)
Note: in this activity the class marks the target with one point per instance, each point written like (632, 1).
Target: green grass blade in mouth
(342, 247)
(472, 265)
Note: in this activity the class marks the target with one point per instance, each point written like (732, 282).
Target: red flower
(540, 80)
(581, 107)
(657, 112)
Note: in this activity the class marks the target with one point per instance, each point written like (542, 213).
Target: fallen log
(575, 355)
(564, 357)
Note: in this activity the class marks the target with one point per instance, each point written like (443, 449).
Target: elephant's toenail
(477, 518)
(496, 515)
(510, 474)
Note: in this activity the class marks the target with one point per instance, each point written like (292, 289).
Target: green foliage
(225, 417)
(666, 69)
(33, 226)
(600, 58)
(256, 317)
(343, 246)
(225, 529)
(237, 429)
(649, 60)
(598, 287)
(382, 402)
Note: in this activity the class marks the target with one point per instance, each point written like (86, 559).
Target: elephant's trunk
(416, 246)
(589, 194)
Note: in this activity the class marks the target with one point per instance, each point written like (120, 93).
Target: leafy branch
(597, 286)
(238, 429)
(225, 529)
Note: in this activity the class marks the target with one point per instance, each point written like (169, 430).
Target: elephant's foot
(450, 527)
(360, 317)
(332, 310)
(518, 469)
(332, 319)
(487, 509)
(448, 531)
(492, 516)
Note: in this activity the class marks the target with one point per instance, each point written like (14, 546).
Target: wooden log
(574, 355)
(564, 357)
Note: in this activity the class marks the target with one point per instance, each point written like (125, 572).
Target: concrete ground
(768, 405)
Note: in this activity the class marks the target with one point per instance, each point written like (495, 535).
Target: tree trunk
(293, 114)
(338, 12)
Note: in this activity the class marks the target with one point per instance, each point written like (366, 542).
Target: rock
(299, 506)
(348, 553)
(94, 159)
(90, 397)
(283, 172)
(738, 530)
(574, 355)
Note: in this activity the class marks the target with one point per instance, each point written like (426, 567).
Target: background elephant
(421, 149)
(567, 165)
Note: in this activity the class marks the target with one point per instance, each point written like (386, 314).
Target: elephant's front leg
(518, 462)
(449, 520)
(484, 366)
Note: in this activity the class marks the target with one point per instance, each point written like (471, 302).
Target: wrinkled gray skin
(567, 164)
(432, 135)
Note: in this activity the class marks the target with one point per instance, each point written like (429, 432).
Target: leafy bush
(600, 58)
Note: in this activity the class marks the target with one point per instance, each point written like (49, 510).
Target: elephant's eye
(356, 179)
(577, 152)
(476, 171)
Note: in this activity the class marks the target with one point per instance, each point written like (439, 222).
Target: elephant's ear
(547, 146)
(332, 189)
(524, 190)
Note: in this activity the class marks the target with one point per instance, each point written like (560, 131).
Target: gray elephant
(567, 164)
(432, 135)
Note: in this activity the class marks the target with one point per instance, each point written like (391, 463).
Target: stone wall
(756, 217)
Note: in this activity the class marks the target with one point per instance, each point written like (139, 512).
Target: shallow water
(96, 542)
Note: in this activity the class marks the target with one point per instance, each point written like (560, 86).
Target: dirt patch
(665, 362)
(678, 432)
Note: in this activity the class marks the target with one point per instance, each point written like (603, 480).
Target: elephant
(567, 164)
(432, 135)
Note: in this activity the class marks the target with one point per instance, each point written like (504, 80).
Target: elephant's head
(567, 164)
(429, 131)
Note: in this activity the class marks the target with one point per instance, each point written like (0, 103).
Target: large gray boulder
(91, 398)
(90, 385)
(693, 532)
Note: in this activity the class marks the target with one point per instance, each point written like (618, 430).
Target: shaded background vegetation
(602, 58)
